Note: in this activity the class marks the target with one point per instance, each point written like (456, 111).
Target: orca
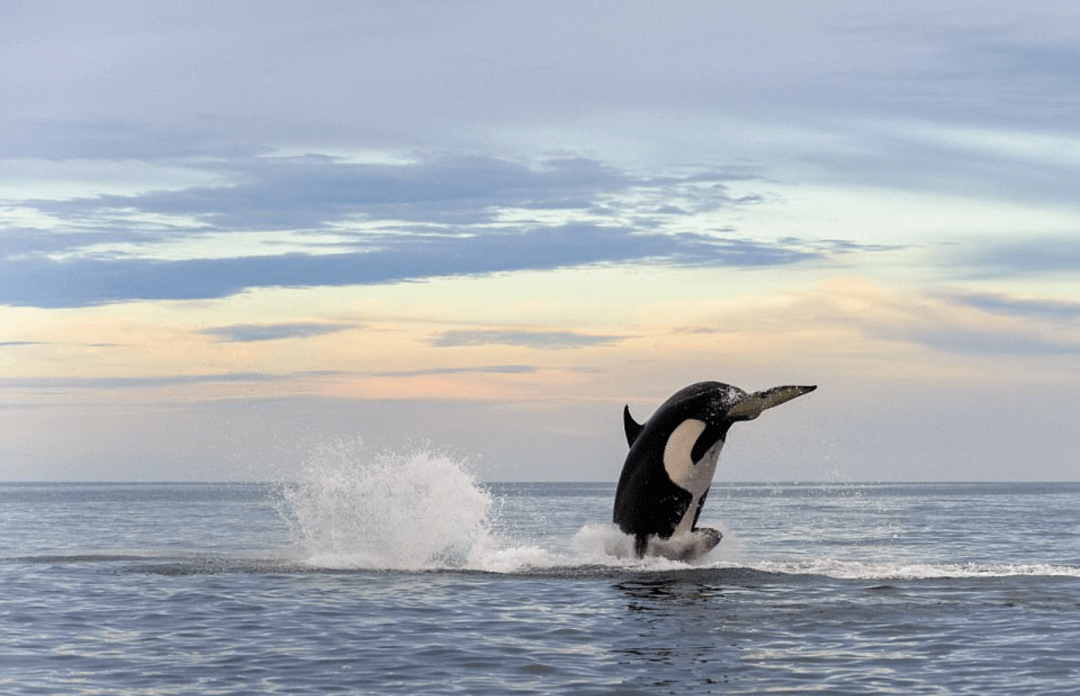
(670, 466)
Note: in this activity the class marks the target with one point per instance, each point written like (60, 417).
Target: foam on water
(846, 569)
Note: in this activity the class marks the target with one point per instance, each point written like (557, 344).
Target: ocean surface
(404, 575)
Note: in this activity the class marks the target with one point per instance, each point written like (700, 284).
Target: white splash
(411, 511)
(422, 510)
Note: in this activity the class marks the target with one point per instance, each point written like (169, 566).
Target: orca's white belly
(693, 477)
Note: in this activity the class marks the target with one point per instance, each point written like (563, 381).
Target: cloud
(544, 79)
(154, 382)
(482, 369)
(245, 333)
(960, 322)
(67, 384)
(697, 330)
(986, 340)
(995, 303)
(16, 344)
(78, 282)
(309, 191)
(1029, 255)
(349, 223)
(23, 242)
(532, 339)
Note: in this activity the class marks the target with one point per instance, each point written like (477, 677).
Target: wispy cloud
(349, 223)
(697, 330)
(24, 242)
(18, 344)
(305, 192)
(481, 369)
(44, 282)
(246, 333)
(974, 340)
(69, 384)
(996, 303)
(1028, 254)
(151, 382)
(961, 322)
(549, 340)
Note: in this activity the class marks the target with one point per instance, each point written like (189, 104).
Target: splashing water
(422, 510)
(388, 511)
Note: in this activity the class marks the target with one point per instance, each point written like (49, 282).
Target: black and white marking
(672, 460)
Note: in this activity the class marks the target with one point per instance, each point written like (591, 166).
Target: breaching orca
(672, 458)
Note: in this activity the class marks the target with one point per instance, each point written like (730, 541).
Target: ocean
(402, 574)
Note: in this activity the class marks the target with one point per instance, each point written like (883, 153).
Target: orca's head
(719, 405)
(716, 403)
(715, 406)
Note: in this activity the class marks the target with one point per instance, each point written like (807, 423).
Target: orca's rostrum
(672, 459)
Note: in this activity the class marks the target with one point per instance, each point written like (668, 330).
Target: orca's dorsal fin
(633, 428)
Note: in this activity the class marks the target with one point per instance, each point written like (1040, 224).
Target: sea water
(401, 574)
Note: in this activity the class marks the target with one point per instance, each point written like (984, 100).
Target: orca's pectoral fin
(632, 427)
(753, 404)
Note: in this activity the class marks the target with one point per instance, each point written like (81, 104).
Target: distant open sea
(403, 575)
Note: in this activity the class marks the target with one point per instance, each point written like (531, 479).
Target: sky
(237, 236)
